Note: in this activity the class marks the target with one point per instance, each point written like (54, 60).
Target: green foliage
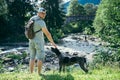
(107, 21)
(110, 57)
(3, 7)
(79, 27)
(67, 28)
(90, 8)
(107, 26)
(88, 31)
(72, 27)
(24, 55)
(102, 57)
(54, 18)
(75, 8)
(17, 11)
(56, 34)
(14, 56)
(1, 65)
(17, 56)
(2, 69)
(12, 23)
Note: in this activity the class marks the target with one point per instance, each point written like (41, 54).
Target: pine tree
(3, 7)
(55, 17)
(12, 23)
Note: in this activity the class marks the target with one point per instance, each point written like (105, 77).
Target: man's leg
(32, 56)
(39, 64)
(40, 55)
(31, 64)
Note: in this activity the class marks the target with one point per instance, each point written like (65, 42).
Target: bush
(14, 56)
(109, 57)
(74, 27)
(57, 34)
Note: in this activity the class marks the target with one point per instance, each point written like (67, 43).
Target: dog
(66, 61)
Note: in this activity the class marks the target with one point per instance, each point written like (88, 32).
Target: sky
(43, 0)
(40, 1)
(66, 0)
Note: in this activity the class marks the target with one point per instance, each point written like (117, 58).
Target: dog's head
(56, 51)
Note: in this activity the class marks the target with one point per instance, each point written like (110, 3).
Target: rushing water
(71, 43)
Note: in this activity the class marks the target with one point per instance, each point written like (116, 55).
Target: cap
(41, 9)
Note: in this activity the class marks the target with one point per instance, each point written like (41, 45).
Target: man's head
(41, 12)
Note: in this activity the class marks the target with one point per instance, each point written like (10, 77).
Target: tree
(90, 9)
(107, 21)
(12, 25)
(3, 12)
(75, 8)
(54, 18)
(3, 7)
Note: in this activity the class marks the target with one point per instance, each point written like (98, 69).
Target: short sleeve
(42, 23)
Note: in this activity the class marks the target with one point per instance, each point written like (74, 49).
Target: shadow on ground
(57, 77)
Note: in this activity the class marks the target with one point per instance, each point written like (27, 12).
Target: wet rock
(48, 59)
(75, 53)
(11, 69)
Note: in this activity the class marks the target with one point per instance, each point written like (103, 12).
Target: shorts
(36, 50)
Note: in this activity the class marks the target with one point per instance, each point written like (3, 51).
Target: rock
(11, 69)
(6, 60)
(26, 60)
(71, 45)
(47, 59)
(75, 53)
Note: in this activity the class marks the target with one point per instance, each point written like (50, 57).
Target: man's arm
(48, 35)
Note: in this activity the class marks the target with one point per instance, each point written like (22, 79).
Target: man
(36, 45)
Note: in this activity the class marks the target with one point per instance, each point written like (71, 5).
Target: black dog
(66, 61)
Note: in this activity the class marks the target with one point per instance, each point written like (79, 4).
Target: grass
(103, 73)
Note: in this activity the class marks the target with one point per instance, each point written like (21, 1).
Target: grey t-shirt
(39, 23)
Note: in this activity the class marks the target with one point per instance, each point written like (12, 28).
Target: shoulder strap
(36, 20)
(38, 31)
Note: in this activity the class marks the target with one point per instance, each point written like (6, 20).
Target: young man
(36, 45)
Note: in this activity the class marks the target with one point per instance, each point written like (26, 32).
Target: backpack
(29, 32)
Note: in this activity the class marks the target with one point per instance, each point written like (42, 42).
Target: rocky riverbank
(14, 55)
